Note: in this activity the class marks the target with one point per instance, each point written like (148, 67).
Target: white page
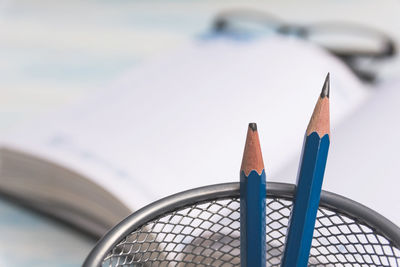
(363, 159)
(180, 122)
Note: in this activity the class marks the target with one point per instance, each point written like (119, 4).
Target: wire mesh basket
(201, 227)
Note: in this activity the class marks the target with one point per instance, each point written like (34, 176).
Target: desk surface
(29, 239)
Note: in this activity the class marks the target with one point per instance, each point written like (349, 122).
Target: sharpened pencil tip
(319, 121)
(326, 87)
(253, 126)
(252, 157)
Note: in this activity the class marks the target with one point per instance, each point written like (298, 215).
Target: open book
(176, 123)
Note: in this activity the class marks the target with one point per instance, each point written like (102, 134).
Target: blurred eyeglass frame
(353, 55)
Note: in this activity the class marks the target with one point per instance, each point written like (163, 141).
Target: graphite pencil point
(326, 87)
(253, 126)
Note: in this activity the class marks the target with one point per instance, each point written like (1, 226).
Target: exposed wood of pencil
(319, 122)
(252, 157)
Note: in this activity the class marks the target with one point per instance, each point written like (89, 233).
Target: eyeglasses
(355, 44)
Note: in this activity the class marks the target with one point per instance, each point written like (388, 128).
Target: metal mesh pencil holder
(200, 227)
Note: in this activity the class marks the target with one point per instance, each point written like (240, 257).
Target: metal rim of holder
(219, 191)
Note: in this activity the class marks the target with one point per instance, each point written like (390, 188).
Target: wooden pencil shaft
(309, 184)
(252, 203)
(252, 219)
(306, 202)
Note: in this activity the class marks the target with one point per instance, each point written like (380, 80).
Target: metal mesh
(207, 234)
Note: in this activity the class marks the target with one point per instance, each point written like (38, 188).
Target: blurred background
(55, 53)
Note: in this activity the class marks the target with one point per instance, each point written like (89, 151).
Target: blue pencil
(309, 184)
(252, 203)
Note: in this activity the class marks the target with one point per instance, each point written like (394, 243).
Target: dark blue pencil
(252, 203)
(309, 184)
